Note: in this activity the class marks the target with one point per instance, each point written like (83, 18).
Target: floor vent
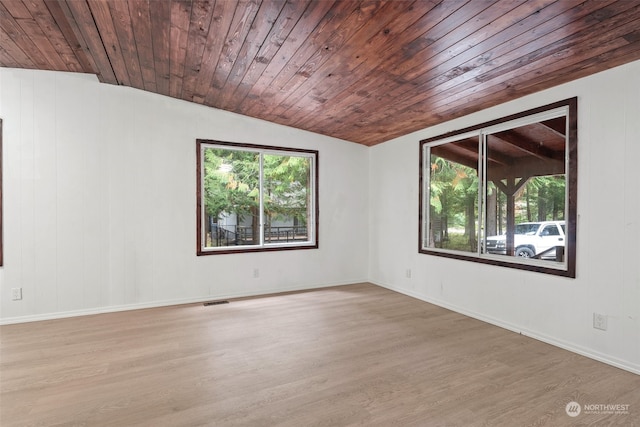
(215, 303)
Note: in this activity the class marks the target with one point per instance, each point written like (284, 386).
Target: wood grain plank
(104, 23)
(43, 42)
(445, 44)
(90, 34)
(295, 50)
(245, 13)
(358, 52)
(371, 63)
(451, 14)
(17, 9)
(393, 89)
(201, 20)
(510, 51)
(62, 16)
(121, 20)
(486, 99)
(160, 13)
(268, 91)
(550, 46)
(42, 16)
(265, 20)
(385, 90)
(14, 30)
(376, 358)
(6, 60)
(11, 55)
(330, 71)
(329, 38)
(482, 42)
(141, 24)
(615, 51)
(223, 16)
(179, 35)
(564, 65)
(282, 42)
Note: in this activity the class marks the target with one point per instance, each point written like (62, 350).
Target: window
(255, 198)
(504, 192)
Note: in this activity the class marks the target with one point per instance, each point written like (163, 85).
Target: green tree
(286, 186)
(454, 195)
(231, 182)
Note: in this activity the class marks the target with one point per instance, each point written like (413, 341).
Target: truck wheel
(524, 252)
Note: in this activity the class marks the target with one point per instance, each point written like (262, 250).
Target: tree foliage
(286, 182)
(453, 188)
(232, 184)
(542, 199)
(454, 195)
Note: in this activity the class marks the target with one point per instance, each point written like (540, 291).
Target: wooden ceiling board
(236, 47)
(160, 15)
(42, 18)
(18, 31)
(550, 72)
(366, 71)
(85, 26)
(457, 77)
(401, 65)
(12, 56)
(462, 95)
(297, 66)
(197, 40)
(264, 44)
(125, 37)
(63, 18)
(281, 51)
(358, 49)
(179, 34)
(314, 71)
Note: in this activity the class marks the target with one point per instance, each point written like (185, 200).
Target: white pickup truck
(531, 239)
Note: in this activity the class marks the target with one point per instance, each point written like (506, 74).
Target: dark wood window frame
(200, 250)
(571, 195)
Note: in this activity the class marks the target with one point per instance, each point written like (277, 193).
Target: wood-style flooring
(350, 355)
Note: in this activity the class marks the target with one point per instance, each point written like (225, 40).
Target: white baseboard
(165, 303)
(583, 351)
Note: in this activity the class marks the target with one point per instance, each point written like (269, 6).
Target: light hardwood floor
(350, 355)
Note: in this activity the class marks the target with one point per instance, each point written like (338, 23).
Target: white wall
(556, 310)
(99, 201)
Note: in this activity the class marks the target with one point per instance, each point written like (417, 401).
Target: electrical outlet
(256, 273)
(16, 294)
(408, 273)
(600, 321)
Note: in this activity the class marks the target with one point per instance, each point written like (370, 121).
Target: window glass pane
(504, 192)
(453, 192)
(287, 198)
(254, 198)
(231, 197)
(526, 190)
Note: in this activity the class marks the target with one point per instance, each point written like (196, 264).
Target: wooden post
(510, 189)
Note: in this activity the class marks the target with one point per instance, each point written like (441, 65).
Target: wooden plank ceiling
(363, 71)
